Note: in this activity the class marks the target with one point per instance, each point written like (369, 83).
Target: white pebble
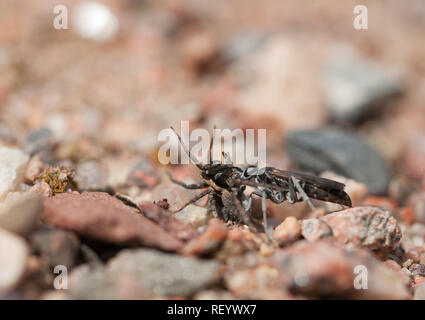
(13, 256)
(193, 215)
(94, 21)
(20, 212)
(12, 169)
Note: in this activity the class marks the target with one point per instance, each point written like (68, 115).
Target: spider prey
(225, 185)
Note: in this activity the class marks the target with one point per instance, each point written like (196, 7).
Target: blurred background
(124, 70)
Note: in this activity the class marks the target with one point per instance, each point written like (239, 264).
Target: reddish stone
(288, 231)
(382, 202)
(98, 215)
(167, 221)
(392, 265)
(209, 241)
(326, 269)
(419, 280)
(417, 202)
(407, 214)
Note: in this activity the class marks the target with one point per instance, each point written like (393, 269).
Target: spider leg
(194, 199)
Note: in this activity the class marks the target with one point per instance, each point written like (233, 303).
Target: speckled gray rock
(369, 227)
(342, 152)
(355, 87)
(148, 273)
(91, 176)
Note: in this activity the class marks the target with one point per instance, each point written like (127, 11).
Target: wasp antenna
(227, 158)
(186, 149)
(212, 141)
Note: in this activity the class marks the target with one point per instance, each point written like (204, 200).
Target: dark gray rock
(55, 246)
(342, 152)
(37, 141)
(355, 88)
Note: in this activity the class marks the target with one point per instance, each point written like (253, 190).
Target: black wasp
(225, 186)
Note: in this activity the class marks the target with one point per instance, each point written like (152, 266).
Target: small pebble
(209, 241)
(419, 280)
(91, 176)
(288, 231)
(34, 169)
(37, 141)
(420, 291)
(95, 21)
(20, 212)
(266, 250)
(407, 263)
(12, 169)
(193, 215)
(42, 188)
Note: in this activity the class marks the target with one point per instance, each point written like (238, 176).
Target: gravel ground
(86, 208)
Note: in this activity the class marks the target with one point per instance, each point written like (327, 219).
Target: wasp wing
(319, 182)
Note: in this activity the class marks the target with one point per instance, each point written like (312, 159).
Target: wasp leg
(264, 209)
(200, 185)
(249, 204)
(292, 195)
(263, 196)
(296, 182)
(194, 199)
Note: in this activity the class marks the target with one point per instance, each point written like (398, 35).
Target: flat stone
(342, 152)
(148, 273)
(167, 221)
(99, 216)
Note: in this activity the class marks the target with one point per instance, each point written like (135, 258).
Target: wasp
(225, 185)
